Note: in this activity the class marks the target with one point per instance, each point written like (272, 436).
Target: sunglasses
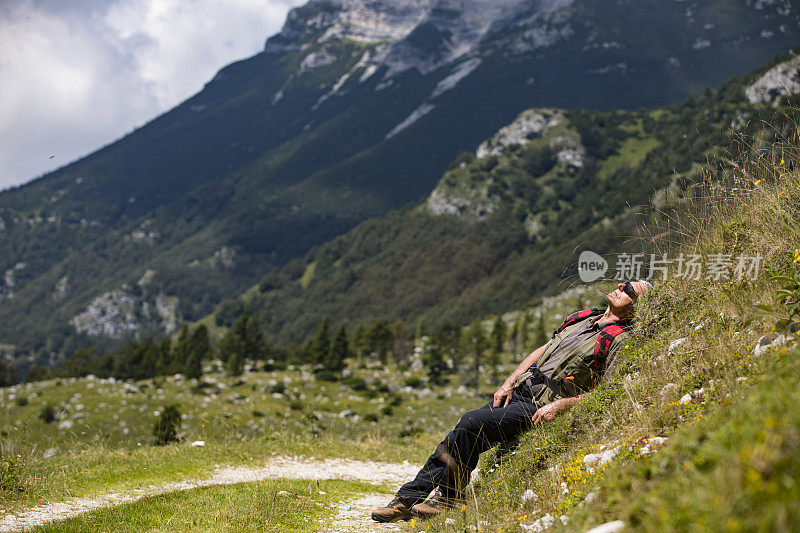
(630, 291)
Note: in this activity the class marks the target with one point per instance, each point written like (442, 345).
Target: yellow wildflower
(757, 182)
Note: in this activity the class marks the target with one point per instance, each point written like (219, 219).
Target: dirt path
(353, 516)
(277, 467)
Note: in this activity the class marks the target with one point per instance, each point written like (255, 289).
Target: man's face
(619, 299)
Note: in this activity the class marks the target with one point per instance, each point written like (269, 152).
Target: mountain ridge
(238, 168)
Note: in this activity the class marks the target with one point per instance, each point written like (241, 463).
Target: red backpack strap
(576, 317)
(604, 340)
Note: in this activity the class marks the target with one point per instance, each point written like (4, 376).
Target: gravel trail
(354, 516)
(277, 467)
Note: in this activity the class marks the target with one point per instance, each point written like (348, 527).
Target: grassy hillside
(700, 433)
(505, 226)
(699, 429)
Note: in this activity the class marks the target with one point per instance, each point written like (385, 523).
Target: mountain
(506, 223)
(352, 110)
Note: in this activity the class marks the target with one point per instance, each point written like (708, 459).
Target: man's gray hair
(646, 284)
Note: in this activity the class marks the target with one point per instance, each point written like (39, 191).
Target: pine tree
(380, 338)
(475, 341)
(436, 365)
(164, 355)
(229, 345)
(322, 343)
(339, 351)
(255, 347)
(497, 339)
(421, 329)
(512, 336)
(539, 334)
(8, 373)
(198, 350)
(177, 362)
(522, 333)
(447, 337)
(235, 364)
(360, 341)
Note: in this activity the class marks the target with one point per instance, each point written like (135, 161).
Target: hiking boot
(434, 506)
(393, 512)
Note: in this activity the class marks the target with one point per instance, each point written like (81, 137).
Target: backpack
(604, 339)
(576, 374)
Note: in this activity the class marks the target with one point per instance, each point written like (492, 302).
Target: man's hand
(553, 409)
(503, 395)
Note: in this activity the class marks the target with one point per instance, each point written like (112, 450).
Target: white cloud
(77, 75)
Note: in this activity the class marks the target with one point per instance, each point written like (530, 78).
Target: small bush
(47, 414)
(371, 417)
(278, 388)
(415, 382)
(166, 428)
(387, 410)
(296, 405)
(258, 414)
(10, 475)
(22, 401)
(395, 400)
(410, 430)
(356, 383)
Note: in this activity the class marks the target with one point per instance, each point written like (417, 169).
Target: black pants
(450, 465)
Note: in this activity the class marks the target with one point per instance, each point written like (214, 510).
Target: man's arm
(553, 409)
(503, 395)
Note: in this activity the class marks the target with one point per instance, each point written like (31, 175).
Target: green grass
(243, 421)
(274, 505)
(731, 461)
(631, 153)
(308, 274)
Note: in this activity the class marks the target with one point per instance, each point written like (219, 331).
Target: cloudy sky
(77, 74)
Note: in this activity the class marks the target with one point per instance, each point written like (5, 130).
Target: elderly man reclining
(548, 382)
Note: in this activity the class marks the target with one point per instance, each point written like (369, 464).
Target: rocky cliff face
(421, 34)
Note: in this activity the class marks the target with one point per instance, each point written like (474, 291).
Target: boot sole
(386, 519)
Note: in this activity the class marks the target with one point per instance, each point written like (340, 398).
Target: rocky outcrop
(781, 80)
(112, 314)
(420, 34)
(531, 124)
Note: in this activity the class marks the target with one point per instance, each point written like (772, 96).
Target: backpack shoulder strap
(577, 317)
(604, 340)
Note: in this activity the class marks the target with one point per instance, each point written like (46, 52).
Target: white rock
(65, 424)
(198, 444)
(543, 523)
(609, 455)
(529, 496)
(769, 342)
(317, 59)
(528, 125)
(592, 496)
(50, 452)
(608, 527)
(674, 344)
(782, 79)
(686, 398)
(668, 388)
